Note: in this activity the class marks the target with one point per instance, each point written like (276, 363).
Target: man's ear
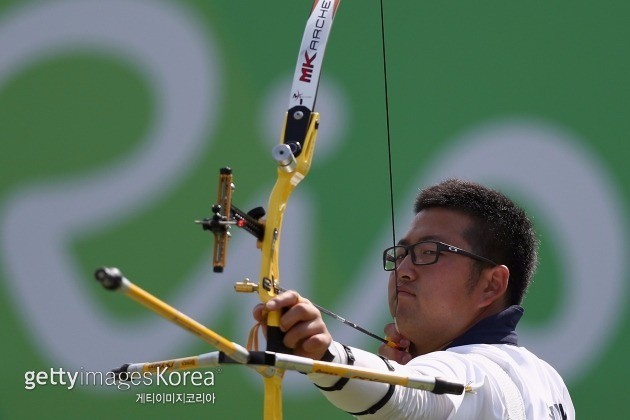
(494, 283)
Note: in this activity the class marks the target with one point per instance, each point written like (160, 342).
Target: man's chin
(403, 326)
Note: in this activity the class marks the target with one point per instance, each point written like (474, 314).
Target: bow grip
(275, 336)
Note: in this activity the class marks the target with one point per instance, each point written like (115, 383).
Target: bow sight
(226, 215)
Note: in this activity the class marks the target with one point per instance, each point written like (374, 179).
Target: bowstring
(389, 146)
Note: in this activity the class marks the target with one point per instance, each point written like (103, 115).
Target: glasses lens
(425, 252)
(392, 257)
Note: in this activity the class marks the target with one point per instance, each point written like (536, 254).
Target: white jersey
(509, 381)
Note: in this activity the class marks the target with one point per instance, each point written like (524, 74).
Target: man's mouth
(403, 291)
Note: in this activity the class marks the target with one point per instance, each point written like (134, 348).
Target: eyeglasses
(424, 253)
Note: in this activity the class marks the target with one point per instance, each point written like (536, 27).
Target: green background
(451, 66)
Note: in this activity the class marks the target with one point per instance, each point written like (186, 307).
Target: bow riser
(269, 279)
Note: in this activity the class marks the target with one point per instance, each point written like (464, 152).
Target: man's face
(433, 304)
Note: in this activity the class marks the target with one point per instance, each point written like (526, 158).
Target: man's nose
(406, 269)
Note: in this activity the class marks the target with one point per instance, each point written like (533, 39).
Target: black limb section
(274, 341)
(263, 358)
(110, 278)
(298, 119)
(255, 358)
(121, 373)
(446, 387)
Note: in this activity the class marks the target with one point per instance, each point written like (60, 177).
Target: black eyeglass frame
(440, 247)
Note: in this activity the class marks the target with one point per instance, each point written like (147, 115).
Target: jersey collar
(499, 328)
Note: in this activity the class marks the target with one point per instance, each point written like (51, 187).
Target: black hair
(501, 231)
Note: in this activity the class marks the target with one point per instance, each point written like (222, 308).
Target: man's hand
(302, 322)
(401, 356)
